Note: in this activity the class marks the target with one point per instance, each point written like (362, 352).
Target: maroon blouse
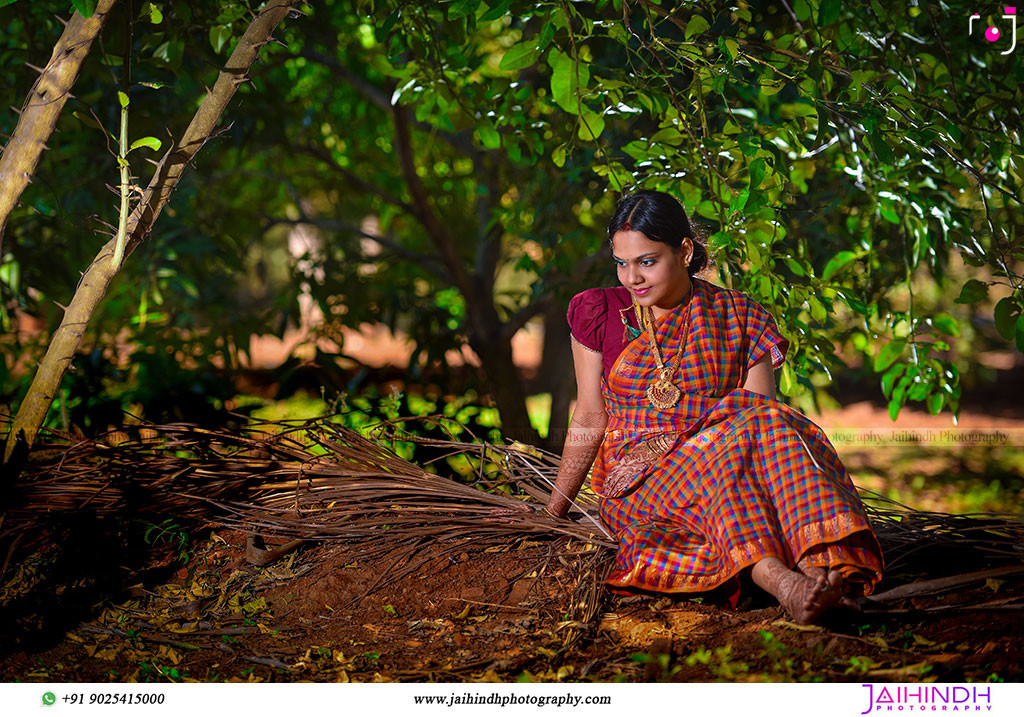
(594, 321)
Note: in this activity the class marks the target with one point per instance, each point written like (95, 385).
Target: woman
(700, 472)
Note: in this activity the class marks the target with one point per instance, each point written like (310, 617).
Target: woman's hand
(497, 515)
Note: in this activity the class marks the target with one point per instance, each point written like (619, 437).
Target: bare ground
(324, 614)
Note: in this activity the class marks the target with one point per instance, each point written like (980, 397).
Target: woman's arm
(586, 430)
(761, 377)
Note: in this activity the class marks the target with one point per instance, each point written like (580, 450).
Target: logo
(930, 698)
(992, 34)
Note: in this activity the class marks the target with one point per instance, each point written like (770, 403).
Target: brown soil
(325, 613)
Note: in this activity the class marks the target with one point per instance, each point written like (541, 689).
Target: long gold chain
(663, 394)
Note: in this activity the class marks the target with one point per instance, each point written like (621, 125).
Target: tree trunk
(556, 374)
(43, 106)
(68, 337)
(504, 384)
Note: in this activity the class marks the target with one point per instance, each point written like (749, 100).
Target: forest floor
(474, 615)
(187, 605)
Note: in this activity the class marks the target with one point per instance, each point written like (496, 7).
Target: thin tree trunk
(556, 374)
(505, 385)
(68, 337)
(43, 106)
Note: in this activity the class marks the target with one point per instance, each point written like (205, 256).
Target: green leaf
(771, 86)
(591, 124)
(894, 409)
(461, 8)
(519, 56)
(900, 392)
(972, 292)
(788, 385)
(546, 36)
(5, 3)
(722, 240)
(558, 156)
(749, 144)
(918, 391)
(829, 11)
(890, 377)
(668, 135)
(1020, 333)
(888, 214)
(497, 10)
(219, 36)
(155, 15)
(935, 402)
(488, 136)
(882, 149)
(888, 355)
(853, 302)
(818, 312)
(696, 26)
(946, 324)
(152, 142)
(123, 99)
(757, 200)
(728, 46)
(85, 8)
(757, 170)
(565, 75)
(797, 109)
(822, 130)
(1006, 316)
(739, 201)
(87, 120)
(837, 264)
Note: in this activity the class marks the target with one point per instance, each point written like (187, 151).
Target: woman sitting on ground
(701, 473)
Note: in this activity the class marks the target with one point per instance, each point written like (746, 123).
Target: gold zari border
(739, 557)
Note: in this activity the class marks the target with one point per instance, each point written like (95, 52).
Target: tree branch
(519, 319)
(489, 230)
(93, 287)
(367, 89)
(430, 263)
(424, 212)
(204, 123)
(382, 99)
(43, 108)
(355, 179)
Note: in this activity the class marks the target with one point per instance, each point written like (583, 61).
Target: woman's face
(653, 271)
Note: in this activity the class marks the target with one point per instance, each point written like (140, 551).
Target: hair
(660, 217)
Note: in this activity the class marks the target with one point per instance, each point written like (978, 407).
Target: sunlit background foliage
(447, 169)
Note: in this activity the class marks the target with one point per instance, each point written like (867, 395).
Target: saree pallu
(699, 492)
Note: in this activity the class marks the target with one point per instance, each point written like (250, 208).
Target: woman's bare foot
(820, 576)
(803, 597)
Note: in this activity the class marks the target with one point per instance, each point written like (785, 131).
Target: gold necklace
(663, 394)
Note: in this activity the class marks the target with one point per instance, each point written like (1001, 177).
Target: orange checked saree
(698, 492)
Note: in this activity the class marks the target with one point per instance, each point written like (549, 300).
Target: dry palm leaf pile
(316, 480)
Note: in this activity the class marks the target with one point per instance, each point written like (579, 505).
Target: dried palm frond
(316, 480)
(911, 539)
(312, 480)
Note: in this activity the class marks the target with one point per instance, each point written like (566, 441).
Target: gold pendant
(663, 394)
